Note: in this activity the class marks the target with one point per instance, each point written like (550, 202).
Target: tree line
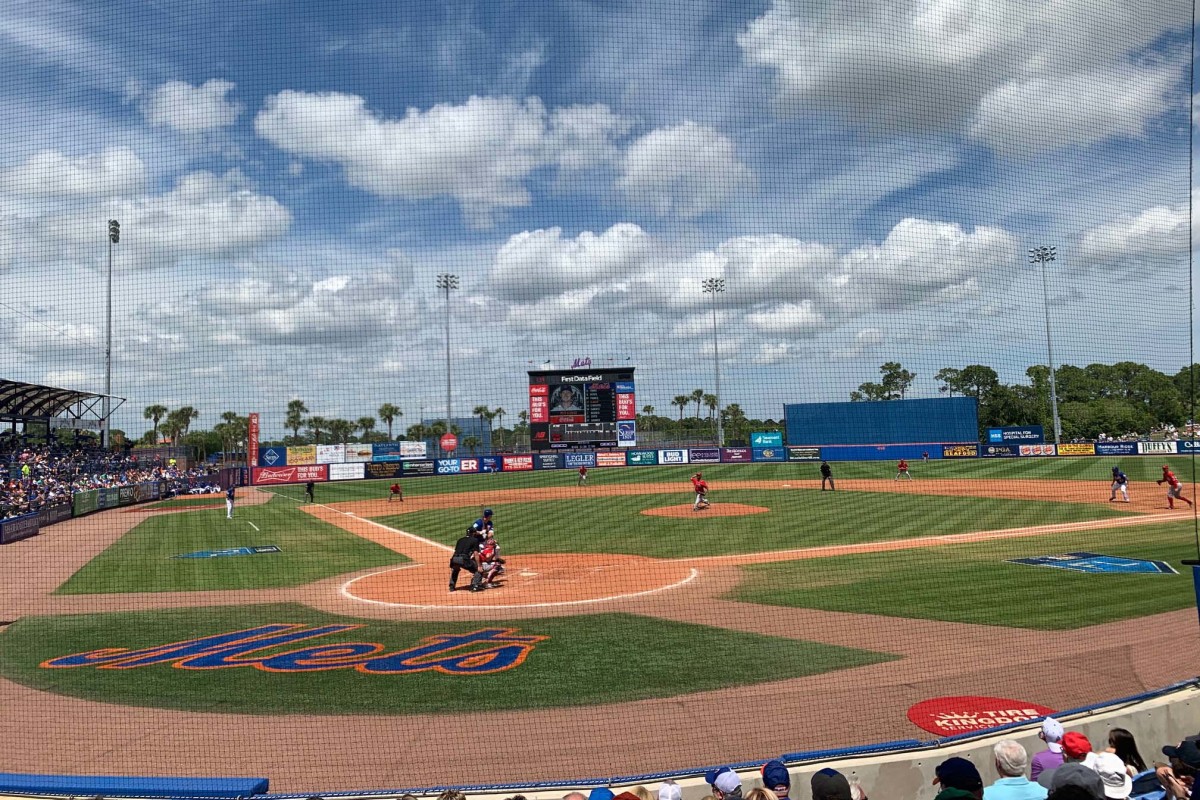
(1116, 400)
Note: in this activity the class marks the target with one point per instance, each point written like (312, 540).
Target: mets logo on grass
(482, 652)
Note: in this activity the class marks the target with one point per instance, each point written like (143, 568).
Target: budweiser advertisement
(303, 473)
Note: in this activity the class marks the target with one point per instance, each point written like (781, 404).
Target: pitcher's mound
(715, 510)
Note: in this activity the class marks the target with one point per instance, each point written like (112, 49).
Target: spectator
(670, 791)
(1178, 778)
(1076, 749)
(1111, 769)
(1121, 742)
(643, 793)
(725, 782)
(1011, 761)
(452, 794)
(959, 780)
(775, 776)
(1051, 757)
(829, 784)
(601, 793)
(1074, 776)
(574, 796)
(761, 794)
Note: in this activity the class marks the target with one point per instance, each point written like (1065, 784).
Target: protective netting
(822, 371)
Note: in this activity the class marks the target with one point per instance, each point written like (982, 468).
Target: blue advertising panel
(999, 450)
(705, 455)
(933, 420)
(272, 457)
(1189, 446)
(17, 528)
(418, 469)
(623, 387)
(385, 451)
(1016, 434)
(1116, 448)
(768, 454)
(548, 461)
(766, 439)
(447, 466)
(641, 458)
(489, 464)
(383, 470)
(626, 433)
(577, 460)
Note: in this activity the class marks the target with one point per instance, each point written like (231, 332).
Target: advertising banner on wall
(768, 454)
(489, 464)
(267, 476)
(547, 461)
(346, 472)
(359, 453)
(271, 457)
(610, 459)
(641, 458)
(85, 502)
(418, 468)
(1189, 446)
(1116, 448)
(384, 469)
(960, 451)
(55, 513)
(302, 454)
(413, 449)
(577, 460)
(704, 455)
(796, 453)
(470, 464)
(1036, 449)
(1157, 448)
(735, 455)
(999, 450)
(252, 439)
(516, 463)
(766, 439)
(385, 451)
(1017, 434)
(626, 432)
(108, 498)
(672, 456)
(17, 528)
(1071, 449)
(331, 453)
(447, 466)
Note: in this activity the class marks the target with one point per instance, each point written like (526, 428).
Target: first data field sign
(1097, 563)
(233, 551)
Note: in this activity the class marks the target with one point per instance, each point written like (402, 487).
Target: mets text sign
(266, 476)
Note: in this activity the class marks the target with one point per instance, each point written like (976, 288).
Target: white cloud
(794, 319)
(772, 353)
(192, 109)
(949, 65)
(49, 173)
(686, 170)
(480, 152)
(1157, 236)
(537, 263)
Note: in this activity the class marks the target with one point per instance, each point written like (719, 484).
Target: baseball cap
(774, 775)
(1187, 751)
(1072, 774)
(487, 512)
(1111, 769)
(958, 773)
(1052, 732)
(1075, 745)
(724, 779)
(601, 793)
(626, 796)
(670, 791)
(829, 784)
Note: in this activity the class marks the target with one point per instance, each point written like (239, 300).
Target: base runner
(1174, 487)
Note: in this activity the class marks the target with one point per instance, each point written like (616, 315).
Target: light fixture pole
(715, 286)
(114, 236)
(1043, 255)
(446, 282)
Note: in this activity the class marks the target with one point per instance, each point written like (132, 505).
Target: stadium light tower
(114, 236)
(715, 286)
(1043, 255)
(446, 282)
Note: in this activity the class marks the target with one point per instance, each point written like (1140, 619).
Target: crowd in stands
(1068, 768)
(32, 478)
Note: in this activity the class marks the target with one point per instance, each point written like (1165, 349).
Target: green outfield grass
(973, 583)
(798, 518)
(592, 659)
(141, 560)
(1139, 468)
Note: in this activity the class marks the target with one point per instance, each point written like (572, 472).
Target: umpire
(826, 475)
(466, 556)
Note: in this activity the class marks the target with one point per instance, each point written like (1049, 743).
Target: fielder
(902, 469)
(701, 489)
(229, 497)
(582, 475)
(1120, 483)
(1174, 487)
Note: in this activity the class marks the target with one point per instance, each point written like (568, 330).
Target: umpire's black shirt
(466, 547)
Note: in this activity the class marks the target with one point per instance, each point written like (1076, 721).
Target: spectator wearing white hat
(725, 782)
(1052, 756)
(1111, 769)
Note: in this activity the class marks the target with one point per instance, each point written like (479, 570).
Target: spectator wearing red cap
(1076, 750)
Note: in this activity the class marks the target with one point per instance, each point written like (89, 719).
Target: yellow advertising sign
(304, 454)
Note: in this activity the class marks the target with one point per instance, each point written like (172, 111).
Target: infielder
(1174, 487)
(902, 469)
(229, 496)
(1120, 483)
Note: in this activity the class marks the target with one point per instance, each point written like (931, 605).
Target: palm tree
(471, 442)
(295, 417)
(681, 401)
(484, 414)
(340, 429)
(171, 429)
(500, 412)
(366, 425)
(186, 415)
(435, 431)
(155, 413)
(415, 433)
(710, 402)
(697, 397)
(315, 426)
(387, 413)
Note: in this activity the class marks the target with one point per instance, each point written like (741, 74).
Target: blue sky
(866, 175)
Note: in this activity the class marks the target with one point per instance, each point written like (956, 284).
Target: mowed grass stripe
(798, 518)
(974, 583)
(141, 560)
(603, 658)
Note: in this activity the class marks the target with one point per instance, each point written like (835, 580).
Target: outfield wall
(933, 419)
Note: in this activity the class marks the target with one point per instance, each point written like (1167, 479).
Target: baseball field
(317, 642)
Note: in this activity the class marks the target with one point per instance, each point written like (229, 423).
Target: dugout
(883, 429)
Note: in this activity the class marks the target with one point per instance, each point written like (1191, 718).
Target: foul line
(354, 516)
(345, 590)
(251, 524)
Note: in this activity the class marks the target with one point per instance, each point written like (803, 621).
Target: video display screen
(582, 408)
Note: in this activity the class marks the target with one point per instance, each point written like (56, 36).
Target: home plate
(787, 486)
(527, 574)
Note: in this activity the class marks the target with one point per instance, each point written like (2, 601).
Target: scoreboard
(582, 408)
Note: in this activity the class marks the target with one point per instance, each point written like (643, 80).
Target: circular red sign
(947, 716)
(449, 442)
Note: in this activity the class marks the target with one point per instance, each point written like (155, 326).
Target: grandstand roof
(30, 400)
